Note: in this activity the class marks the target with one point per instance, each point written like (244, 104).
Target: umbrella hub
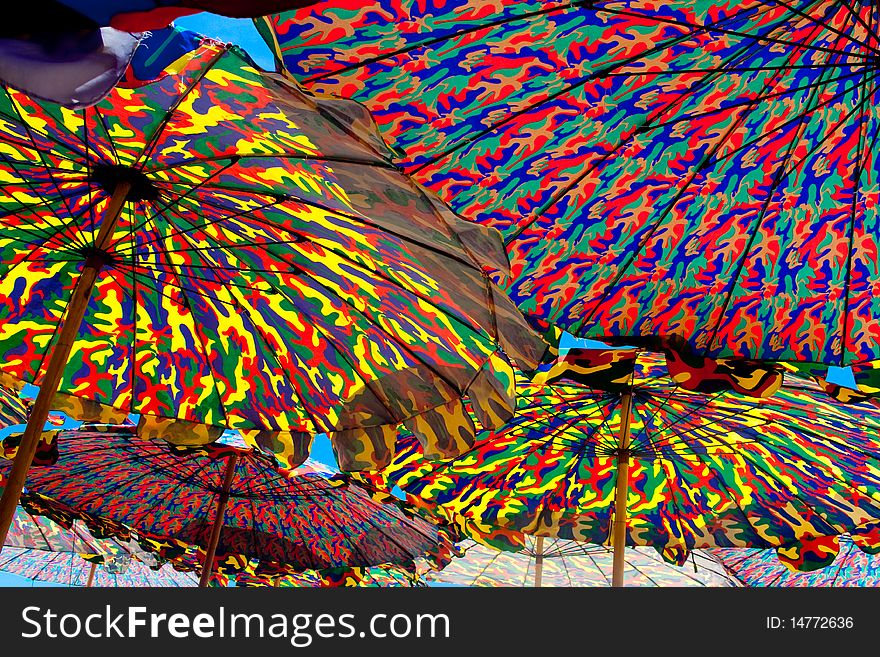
(108, 176)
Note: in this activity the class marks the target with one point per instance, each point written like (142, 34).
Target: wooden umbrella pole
(60, 354)
(622, 490)
(539, 560)
(214, 540)
(93, 567)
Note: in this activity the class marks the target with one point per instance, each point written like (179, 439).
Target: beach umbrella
(220, 506)
(72, 569)
(609, 447)
(753, 567)
(553, 562)
(40, 549)
(217, 248)
(704, 169)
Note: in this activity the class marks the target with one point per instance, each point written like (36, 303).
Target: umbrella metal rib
(76, 310)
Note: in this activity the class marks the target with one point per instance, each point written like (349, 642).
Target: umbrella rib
(89, 176)
(674, 485)
(174, 273)
(779, 177)
(699, 170)
(150, 145)
(701, 405)
(493, 557)
(37, 246)
(196, 326)
(59, 196)
(733, 498)
(412, 526)
(565, 90)
(250, 496)
(794, 495)
(159, 238)
(110, 143)
(189, 480)
(704, 113)
(843, 559)
(857, 180)
(762, 440)
(357, 218)
(135, 296)
(378, 272)
(46, 232)
(538, 443)
(435, 40)
(799, 117)
(71, 150)
(567, 479)
(161, 208)
(861, 21)
(302, 156)
(401, 344)
(596, 565)
(147, 459)
(294, 388)
(828, 26)
(714, 28)
(845, 481)
(267, 467)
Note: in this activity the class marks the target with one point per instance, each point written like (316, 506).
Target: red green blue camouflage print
(851, 567)
(707, 470)
(569, 564)
(271, 271)
(276, 521)
(706, 169)
(73, 570)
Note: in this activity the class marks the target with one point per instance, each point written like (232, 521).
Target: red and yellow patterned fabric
(271, 271)
(789, 471)
(706, 169)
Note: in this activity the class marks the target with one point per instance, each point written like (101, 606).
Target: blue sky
(240, 31)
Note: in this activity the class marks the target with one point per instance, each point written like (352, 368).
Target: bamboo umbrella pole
(92, 568)
(214, 540)
(539, 560)
(619, 525)
(76, 311)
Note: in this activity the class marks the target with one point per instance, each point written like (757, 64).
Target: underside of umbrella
(705, 169)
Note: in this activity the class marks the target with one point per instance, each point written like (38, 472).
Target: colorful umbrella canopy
(376, 577)
(13, 409)
(705, 169)
(72, 569)
(40, 549)
(606, 446)
(228, 251)
(222, 505)
(553, 562)
(33, 532)
(852, 567)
